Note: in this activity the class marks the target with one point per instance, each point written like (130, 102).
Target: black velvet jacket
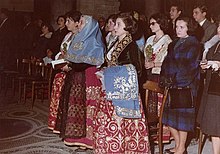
(130, 55)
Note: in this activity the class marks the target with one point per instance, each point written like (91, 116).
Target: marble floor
(24, 130)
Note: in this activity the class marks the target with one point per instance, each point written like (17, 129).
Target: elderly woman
(209, 111)
(181, 66)
(83, 50)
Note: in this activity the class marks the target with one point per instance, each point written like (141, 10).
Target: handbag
(180, 98)
(214, 85)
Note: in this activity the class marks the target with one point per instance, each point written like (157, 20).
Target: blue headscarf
(121, 85)
(87, 46)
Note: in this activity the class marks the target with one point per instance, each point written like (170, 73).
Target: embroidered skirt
(93, 88)
(55, 98)
(114, 134)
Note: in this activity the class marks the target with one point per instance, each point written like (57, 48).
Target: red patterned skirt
(114, 134)
(55, 98)
(93, 88)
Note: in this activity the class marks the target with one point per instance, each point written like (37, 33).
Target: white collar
(202, 22)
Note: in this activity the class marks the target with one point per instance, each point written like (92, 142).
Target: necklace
(156, 39)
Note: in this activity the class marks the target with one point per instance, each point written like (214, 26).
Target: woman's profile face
(61, 22)
(110, 25)
(181, 29)
(154, 26)
(72, 25)
(44, 29)
(119, 27)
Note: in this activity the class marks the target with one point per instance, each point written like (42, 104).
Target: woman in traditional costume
(85, 51)
(59, 75)
(119, 121)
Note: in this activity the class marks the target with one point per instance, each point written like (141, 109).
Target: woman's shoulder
(167, 38)
(192, 40)
(150, 38)
(132, 45)
(68, 35)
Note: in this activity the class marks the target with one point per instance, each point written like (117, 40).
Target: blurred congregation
(138, 67)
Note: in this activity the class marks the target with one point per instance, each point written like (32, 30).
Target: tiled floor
(24, 131)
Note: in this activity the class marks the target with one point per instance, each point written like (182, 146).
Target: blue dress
(182, 64)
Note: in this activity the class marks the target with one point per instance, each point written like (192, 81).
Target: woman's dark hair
(74, 15)
(113, 17)
(46, 24)
(191, 24)
(61, 16)
(162, 20)
(130, 24)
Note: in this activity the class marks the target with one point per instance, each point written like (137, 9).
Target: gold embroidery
(78, 46)
(93, 93)
(118, 50)
(90, 112)
(125, 112)
(84, 58)
(65, 44)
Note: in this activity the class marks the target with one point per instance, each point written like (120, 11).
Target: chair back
(24, 66)
(155, 111)
(47, 72)
(151, 106)
(37, 69)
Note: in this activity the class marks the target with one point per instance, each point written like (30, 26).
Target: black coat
(57, 39)
(209, 111)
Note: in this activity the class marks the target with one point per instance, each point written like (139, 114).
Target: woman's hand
(66, 68)
(215, 65)
(99, 74)
(204, 64)
(149, 65)
(61, 56)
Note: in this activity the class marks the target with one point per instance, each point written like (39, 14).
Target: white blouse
(159, 49)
